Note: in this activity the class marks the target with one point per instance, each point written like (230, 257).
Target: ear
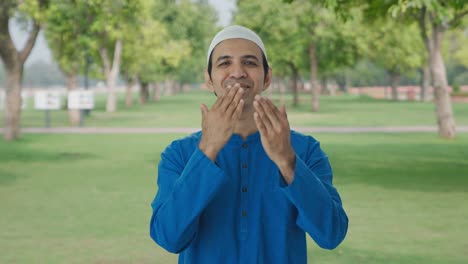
(208, 81)
(267, 82)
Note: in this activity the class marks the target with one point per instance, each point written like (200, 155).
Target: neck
(246, 124)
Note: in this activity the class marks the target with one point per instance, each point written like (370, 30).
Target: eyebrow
(243, 57)
(251, 57)
(223, 58)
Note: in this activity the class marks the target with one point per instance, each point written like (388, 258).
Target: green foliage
(193, 24)
(278, 26)
(394, 46)
(442, 12)
(288, 29)
(67, 34)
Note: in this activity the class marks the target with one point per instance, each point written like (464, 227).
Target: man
(246, 188)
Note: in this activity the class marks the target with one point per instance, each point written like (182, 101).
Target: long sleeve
(320, 211)
(184, 190)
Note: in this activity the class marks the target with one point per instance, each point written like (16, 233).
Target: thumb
(204, 109)
(283, 110)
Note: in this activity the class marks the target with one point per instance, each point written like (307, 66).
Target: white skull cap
(233, 32)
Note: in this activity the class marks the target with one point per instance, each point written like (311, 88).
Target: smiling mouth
(242, 85)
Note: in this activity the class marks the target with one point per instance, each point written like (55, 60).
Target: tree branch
(23, 54)
(117, 56)
(458, 17)
(105, 61)
(8, 50)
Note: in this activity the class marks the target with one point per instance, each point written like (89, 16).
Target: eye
(250, 63)
(224, 63)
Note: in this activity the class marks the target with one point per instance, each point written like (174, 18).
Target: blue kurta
(239, 209)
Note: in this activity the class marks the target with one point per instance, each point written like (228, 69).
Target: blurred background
(91, 92)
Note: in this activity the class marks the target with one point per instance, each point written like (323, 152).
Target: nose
(238, 71)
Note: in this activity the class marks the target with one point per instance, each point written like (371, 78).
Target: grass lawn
(86, 198)
(183, 111)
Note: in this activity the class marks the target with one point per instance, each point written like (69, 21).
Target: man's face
(238, 61)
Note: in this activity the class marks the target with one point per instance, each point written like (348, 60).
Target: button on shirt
(239, 209)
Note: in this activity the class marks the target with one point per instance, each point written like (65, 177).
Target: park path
(187, 130)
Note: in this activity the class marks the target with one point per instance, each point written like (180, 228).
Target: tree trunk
(131, 81)
(12, 114)
(394, 82)
(342, 79)
(270, 89)
(445, 119)
(168, 87)
(13, 62)
(324, 86)
(315, 88)
(73, 114)
(426, 71)
(293, 85)
(425, 82)
(129, 94)
(156, 92)
(144, 92)
(282, 91)
(112, 72)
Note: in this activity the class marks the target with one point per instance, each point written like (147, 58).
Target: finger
(220, 99)
(274, 108)
(239, 109)
(260, 125)
(272, 113)
(283, 112)
(285, 115)
(204, 110)
(262, 115)
(231, 110)
(266, 114)
(229, 97)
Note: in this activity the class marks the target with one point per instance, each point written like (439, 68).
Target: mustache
(244, 83)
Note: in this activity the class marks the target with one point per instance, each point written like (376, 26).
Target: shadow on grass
(7, 178)
(14, 152)
(415, 167)
(344, 254)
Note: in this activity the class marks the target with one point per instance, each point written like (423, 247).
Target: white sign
(3, 100)
(80, 100)
(47, 100)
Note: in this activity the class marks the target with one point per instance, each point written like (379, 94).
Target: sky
(41, 51)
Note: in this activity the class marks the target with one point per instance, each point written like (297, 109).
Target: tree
(396, 48)
(434, 17)
(13, 60)
(149, 58)
(278, 26)
(302, 34)
(192, 23)
(66, 33)
(110, 21)
(441, 16)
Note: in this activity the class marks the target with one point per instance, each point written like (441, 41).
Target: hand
(218, 123)
(275, 135)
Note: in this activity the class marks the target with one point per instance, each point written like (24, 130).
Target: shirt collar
(236, 139)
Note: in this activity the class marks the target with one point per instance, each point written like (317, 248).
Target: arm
(319, 205)
(306, 182)
(184, 191)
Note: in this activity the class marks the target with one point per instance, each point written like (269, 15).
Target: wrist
(208, 150)
(286, 168)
